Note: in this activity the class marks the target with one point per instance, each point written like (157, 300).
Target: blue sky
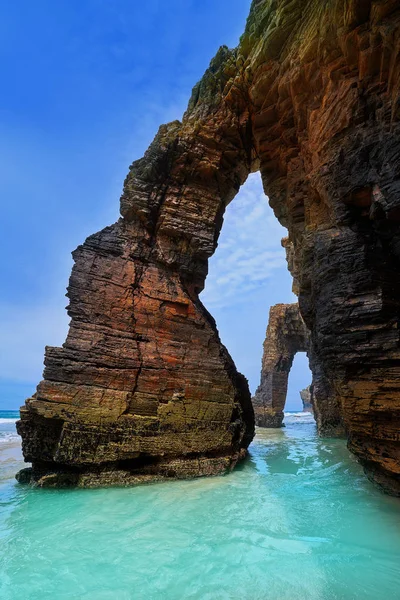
(85, 85)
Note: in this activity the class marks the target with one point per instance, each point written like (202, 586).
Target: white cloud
(249, 250)
(249, 254)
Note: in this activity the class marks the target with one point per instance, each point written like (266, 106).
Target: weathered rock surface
(286, 335)
(142, 386)
(306, 399)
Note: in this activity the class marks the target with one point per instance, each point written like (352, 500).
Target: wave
(9, 420)
(300, 417)
(6, 438)
(298, 414)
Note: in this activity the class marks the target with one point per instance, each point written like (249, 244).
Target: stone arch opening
(247, 273)
(298, 397)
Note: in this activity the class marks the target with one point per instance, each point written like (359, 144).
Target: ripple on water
(296, 521)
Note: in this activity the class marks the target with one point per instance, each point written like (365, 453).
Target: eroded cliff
(142, 387)
(286, 335)
(306, 399)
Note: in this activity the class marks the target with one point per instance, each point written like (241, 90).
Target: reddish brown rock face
(286, 335)
(142, 387)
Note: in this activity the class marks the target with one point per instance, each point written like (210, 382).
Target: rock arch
(142, 387)
(286, 335)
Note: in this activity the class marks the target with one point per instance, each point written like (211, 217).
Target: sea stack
(305, 396)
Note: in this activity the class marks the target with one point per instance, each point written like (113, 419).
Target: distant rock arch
(287, 335)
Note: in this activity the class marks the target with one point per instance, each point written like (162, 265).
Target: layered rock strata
(286, 335)
(142, 385)
(143, 389)
(306, 399)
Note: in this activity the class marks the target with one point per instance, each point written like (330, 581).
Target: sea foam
(6, 437)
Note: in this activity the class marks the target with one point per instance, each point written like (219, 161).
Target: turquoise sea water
(297, 521)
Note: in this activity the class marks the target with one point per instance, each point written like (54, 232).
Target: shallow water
(297, 521)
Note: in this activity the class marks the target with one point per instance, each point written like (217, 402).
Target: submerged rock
(142, 386)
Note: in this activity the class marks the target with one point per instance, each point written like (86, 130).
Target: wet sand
(11, 459)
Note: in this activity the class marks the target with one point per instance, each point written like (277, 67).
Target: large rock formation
(142, 387)
(306, 398)
(286, 335)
